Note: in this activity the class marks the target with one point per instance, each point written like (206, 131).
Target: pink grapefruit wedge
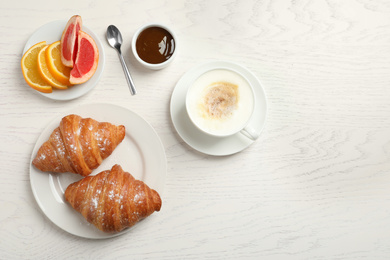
(87, 58)
(69, 40)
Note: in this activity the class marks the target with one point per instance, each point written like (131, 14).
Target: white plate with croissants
(98, 170)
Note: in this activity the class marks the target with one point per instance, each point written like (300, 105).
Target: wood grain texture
(315, 185)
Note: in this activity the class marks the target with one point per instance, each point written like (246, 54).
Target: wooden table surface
(315, 185)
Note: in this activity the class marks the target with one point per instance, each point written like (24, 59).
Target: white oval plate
(141, 153)
(51, 32)
(197, 139)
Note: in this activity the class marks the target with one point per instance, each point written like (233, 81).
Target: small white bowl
(153, 66)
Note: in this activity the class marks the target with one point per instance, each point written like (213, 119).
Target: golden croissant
(78, 145)
(113, 200)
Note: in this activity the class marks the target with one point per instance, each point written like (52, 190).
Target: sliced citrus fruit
(30, 70)
(86, 60)
(53, 60)
(44, 71)
(69, 40)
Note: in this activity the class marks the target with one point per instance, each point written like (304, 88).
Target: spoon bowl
(114, 37)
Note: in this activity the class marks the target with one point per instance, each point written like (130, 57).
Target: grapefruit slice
(69, 40)
(87, 59)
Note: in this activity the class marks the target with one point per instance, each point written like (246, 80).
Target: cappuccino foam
(220, 102)
(220, 99)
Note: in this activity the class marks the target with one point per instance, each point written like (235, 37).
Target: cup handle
(250, 132)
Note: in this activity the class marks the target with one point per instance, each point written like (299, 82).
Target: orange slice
(54, 64)
(30, 69)
(45, 73)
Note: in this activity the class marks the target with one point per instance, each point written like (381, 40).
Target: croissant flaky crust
(113, 200)
(78, 145)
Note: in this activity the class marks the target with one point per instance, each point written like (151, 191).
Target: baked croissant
(78, 145)
(112, 200)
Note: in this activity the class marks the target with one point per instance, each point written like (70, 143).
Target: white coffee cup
(220, 103)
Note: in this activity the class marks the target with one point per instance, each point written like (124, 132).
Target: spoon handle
(127, 74)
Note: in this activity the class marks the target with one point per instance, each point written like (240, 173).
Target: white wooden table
(315, 185)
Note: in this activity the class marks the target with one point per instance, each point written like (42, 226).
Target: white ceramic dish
(51, 32)
(150, 65)
(141, 153)
(196, 138)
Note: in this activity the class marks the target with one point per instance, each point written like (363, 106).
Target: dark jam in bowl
(155, 45)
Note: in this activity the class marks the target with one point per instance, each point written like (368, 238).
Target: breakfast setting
(195, 130)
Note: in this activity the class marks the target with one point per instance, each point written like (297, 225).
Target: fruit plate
(51, 32)
(141, 153)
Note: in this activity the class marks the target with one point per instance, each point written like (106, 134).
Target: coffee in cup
(220, 102)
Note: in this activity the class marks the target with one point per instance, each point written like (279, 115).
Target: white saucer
(51, 32)
(141, 153)
(201, 141)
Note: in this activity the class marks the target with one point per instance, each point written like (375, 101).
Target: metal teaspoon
(114, 38)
